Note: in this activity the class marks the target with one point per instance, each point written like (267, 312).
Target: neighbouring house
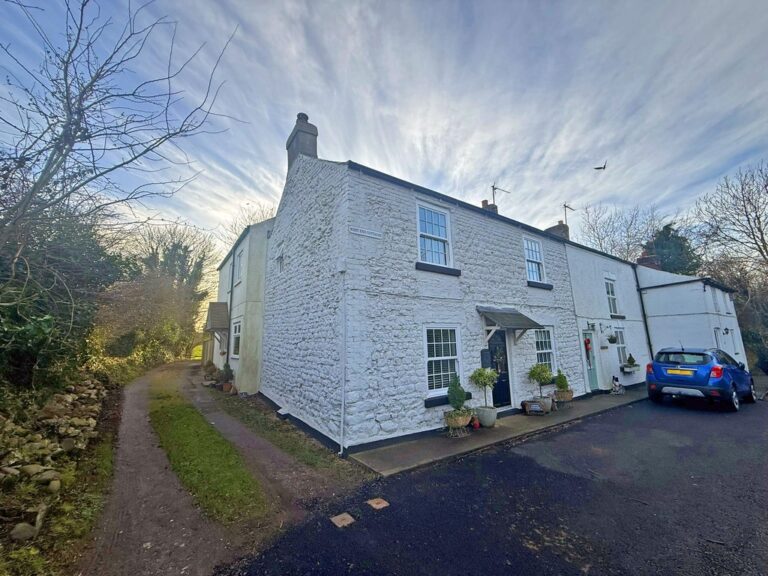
(697, 312)
(354, 306)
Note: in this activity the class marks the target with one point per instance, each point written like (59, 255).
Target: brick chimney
(560, 229)
(303, 139)
(648, 260)
(490, 207)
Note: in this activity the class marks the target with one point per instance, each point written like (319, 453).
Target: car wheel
(655, 397)
(733, 402)
(751, 396)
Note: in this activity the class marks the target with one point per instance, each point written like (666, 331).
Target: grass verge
(205, 463)
(288, 438)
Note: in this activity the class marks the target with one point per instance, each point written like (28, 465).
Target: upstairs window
(544, 350)
(442, 358)
(433, 237)
(533, 262)
(239, 266)
(610, 291)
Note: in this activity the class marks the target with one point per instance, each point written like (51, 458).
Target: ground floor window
(621, 346)
(544, 350)
(236, 327)
(442, 357)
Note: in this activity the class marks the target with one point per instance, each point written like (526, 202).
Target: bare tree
(72, 124)
(247, 215)
(733, 220)
(620, 232)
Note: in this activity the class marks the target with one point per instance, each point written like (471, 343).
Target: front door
(497, 346)
(589, 351)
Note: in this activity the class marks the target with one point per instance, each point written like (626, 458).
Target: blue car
(699, 373)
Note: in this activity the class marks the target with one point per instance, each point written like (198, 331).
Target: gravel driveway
(644, 489)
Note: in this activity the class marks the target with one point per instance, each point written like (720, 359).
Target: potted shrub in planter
(458, 418)
(485, 378)
(224, 377)
(539, 374)
(631, 365)
(563, 392)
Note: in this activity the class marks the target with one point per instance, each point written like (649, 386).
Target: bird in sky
(602, 167)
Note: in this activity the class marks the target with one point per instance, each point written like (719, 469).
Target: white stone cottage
(353, 307)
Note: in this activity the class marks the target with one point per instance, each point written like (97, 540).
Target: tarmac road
(645, 489)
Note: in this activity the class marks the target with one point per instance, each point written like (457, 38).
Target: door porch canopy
(217, 322)
(509, 319)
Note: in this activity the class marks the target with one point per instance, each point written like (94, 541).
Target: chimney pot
(303, 139)
(560, 229)
(490, 207)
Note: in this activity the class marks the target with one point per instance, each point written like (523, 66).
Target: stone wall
(390, 304)
(302, 348)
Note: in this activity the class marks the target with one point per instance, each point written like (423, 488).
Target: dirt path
(297, 486)
(150, 524)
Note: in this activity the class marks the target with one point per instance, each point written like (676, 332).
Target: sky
(458, 95)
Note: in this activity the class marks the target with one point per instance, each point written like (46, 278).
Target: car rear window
(697, 359)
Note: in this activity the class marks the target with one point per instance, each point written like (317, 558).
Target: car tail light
(714, 393)
(649, 368)
(716, 372)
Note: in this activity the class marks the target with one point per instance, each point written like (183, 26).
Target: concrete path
(401, 456)
(150, 524)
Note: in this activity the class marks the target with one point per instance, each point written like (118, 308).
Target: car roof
(683, 350)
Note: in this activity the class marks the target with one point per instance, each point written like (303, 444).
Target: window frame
(448, 237)
(540, 262)
(621, 345)
(431, 393)
(552, 346)
(237, 337)
(715, 300)
(612, 298)
(239, 266)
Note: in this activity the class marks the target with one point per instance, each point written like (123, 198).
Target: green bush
(541, 375)
(484, 378)
(456, 394)
(561, 382)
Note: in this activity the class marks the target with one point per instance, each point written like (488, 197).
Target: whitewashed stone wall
(302, 349)
(588, 271)
(390, 304)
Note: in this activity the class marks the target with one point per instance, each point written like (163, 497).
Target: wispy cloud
(457, 95)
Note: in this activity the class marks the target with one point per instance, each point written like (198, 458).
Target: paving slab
(409, 454)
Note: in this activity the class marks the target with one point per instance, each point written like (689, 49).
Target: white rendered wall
(589, 272)
(686, 314)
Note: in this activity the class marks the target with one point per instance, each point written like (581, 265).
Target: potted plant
(630, 366)
(563, 392)
(224, 377)
(539, 374)
(458, 418)
(485, 378)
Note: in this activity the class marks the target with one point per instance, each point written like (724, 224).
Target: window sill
(441, 400)
(618, 317)
(438, 269)
(542, 285)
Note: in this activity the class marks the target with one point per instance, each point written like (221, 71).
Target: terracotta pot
(226, 387)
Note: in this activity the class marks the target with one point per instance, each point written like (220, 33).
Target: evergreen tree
(673, 251)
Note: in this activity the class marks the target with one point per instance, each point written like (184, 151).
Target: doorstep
(409, 454)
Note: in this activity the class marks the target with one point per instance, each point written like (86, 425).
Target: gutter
(642, 309)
